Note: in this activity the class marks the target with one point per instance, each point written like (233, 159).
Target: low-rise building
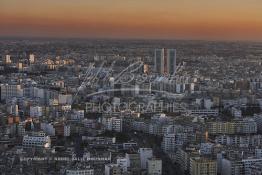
(37, 141)
(154, 166)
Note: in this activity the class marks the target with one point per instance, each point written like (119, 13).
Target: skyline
(203, 20)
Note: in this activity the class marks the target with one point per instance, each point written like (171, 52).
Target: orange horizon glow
(156, 19)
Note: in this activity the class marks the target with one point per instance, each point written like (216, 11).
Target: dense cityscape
(113, 107)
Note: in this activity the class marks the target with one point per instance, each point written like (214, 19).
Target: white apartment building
(172, 141)
(238, 167)
(36, 141)
(242, 141)
(154, 166)
(113, 169)
(206, 148)
(31, 58)
(8, 91)
(8, 59)
(203, 166)
(155, 128)
(258, 153)
(169, 143)
(167, 129)
(21, 129)
(13, 109)
(113, 124)
(123, 163)
(145, 154)
(38, 93)
(36, 111)
(248, 126)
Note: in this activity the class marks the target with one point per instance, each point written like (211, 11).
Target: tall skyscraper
(7, 59)
(31, 58)
(165, 61)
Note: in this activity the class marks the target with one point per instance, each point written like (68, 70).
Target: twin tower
(165, 61)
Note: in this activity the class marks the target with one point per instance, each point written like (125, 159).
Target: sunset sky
(154, 19)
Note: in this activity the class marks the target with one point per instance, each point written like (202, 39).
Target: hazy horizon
(234, 20)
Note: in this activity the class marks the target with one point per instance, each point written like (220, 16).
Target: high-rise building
(10, 90)
(31, 58)
(145, 154)
(20, 66)
(145, 69)
(165, 61)
(169, 143)
(8, 59)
